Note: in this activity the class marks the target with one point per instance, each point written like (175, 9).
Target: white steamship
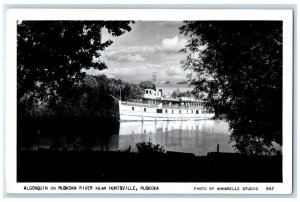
(154, 107)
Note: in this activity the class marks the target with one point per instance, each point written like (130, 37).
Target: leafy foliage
(237, 66)
(147, 85)
(96, 100)
(52, 54)
(149, 148)
(178, 93)
(91, 100)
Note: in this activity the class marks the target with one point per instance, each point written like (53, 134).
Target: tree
(238, 65)
(52, 54)
(147, 85)
(149, 148)
(176, 93)
(93, 100)
(96, 100)
(131, 91)
(182, 82)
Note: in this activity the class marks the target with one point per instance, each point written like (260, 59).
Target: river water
(197, 137)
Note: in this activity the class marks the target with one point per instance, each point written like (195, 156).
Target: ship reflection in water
(197, 137)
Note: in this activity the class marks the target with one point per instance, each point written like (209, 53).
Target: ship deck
(165, 106)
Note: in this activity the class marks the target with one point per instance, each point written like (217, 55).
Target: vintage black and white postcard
(149, 101)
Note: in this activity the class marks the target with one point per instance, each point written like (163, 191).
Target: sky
(151, 46)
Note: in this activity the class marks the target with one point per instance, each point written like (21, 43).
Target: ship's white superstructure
(155, 108)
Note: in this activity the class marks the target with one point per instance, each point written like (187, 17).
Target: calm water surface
(197, 137)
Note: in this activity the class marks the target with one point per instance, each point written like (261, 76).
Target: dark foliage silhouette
(149, 148)
(147, 85)
(52, 54)
(237, 67)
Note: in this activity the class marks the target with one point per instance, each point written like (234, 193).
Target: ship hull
(149, 118)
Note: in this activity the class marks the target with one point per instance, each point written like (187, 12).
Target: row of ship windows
(166, 111)
(152, 92)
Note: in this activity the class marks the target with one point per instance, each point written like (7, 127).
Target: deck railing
(166, 106)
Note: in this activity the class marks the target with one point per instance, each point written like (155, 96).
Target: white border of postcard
(13, 14)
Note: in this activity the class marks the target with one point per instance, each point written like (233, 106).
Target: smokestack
(160, 90)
